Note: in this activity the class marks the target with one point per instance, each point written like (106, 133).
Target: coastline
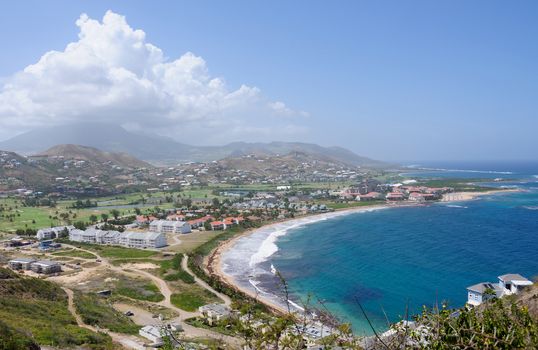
(467, 196)
(213, 262)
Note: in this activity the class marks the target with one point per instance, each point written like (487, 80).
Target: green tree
(93, 218)
(115, 213)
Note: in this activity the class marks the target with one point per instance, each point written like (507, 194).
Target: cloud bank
(112, 74)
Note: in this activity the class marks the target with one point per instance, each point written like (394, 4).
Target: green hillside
(34, 311)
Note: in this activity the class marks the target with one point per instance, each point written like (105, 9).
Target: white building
(481, 292)
(508, 284)
(169, 226)
(52, 232)
(214, 313)
(142, 240)
(21, 263)
(46, 266)
(129, 239)
(75, 235)
(152, 333)
(512, 283)
(107, 237)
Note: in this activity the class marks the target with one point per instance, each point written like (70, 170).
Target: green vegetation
(498, 324)
(115, 252)
(208, 246)
(118, 262)
(13, 339)
(177, 272)
(187, 301)
(75, 254)
(140, 290)
(181, 275)
(94, 311)
(38, 307)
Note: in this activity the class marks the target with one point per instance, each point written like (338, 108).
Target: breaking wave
(467, 171)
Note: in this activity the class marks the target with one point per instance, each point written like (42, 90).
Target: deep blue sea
(390, 259)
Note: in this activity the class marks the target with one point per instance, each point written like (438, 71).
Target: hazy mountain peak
(163, 150)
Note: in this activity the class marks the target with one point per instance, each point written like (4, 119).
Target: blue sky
(393, 80)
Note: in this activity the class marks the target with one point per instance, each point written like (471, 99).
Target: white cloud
(112, 74)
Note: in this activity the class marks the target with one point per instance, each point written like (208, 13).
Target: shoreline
(212, 264)
(468, 196)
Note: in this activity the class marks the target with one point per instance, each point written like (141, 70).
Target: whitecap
(295, 305)
(468, 171)
(255, 285)
(531, 207)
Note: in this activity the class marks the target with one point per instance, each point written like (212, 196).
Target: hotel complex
(128, 239)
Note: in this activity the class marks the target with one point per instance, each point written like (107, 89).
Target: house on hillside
(508, 284)
(512, 283)
(152, 333)
(213, 313)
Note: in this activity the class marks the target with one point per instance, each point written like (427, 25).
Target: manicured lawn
(24, 217)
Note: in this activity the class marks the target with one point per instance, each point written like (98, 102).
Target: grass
(74, 253)
(187, 301)
(198, 323)
(177, 274)
(115, 252)
(211, 244)
(40, 217)
(118, 262)
(181, 275)
(140, 290)
(94, 311)
(39, 308)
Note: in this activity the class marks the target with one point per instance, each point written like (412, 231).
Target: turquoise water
(388, 259)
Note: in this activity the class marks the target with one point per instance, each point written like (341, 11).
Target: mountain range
(161, 150)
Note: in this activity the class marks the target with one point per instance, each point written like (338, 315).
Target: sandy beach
(467, 196)
(213, 262)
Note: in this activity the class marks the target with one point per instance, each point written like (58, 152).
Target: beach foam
(466, 171)
(246, 260)
(531, 207)
(268, 246)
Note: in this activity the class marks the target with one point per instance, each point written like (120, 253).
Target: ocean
(394, 261)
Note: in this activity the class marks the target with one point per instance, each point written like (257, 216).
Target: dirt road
(127, 341)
